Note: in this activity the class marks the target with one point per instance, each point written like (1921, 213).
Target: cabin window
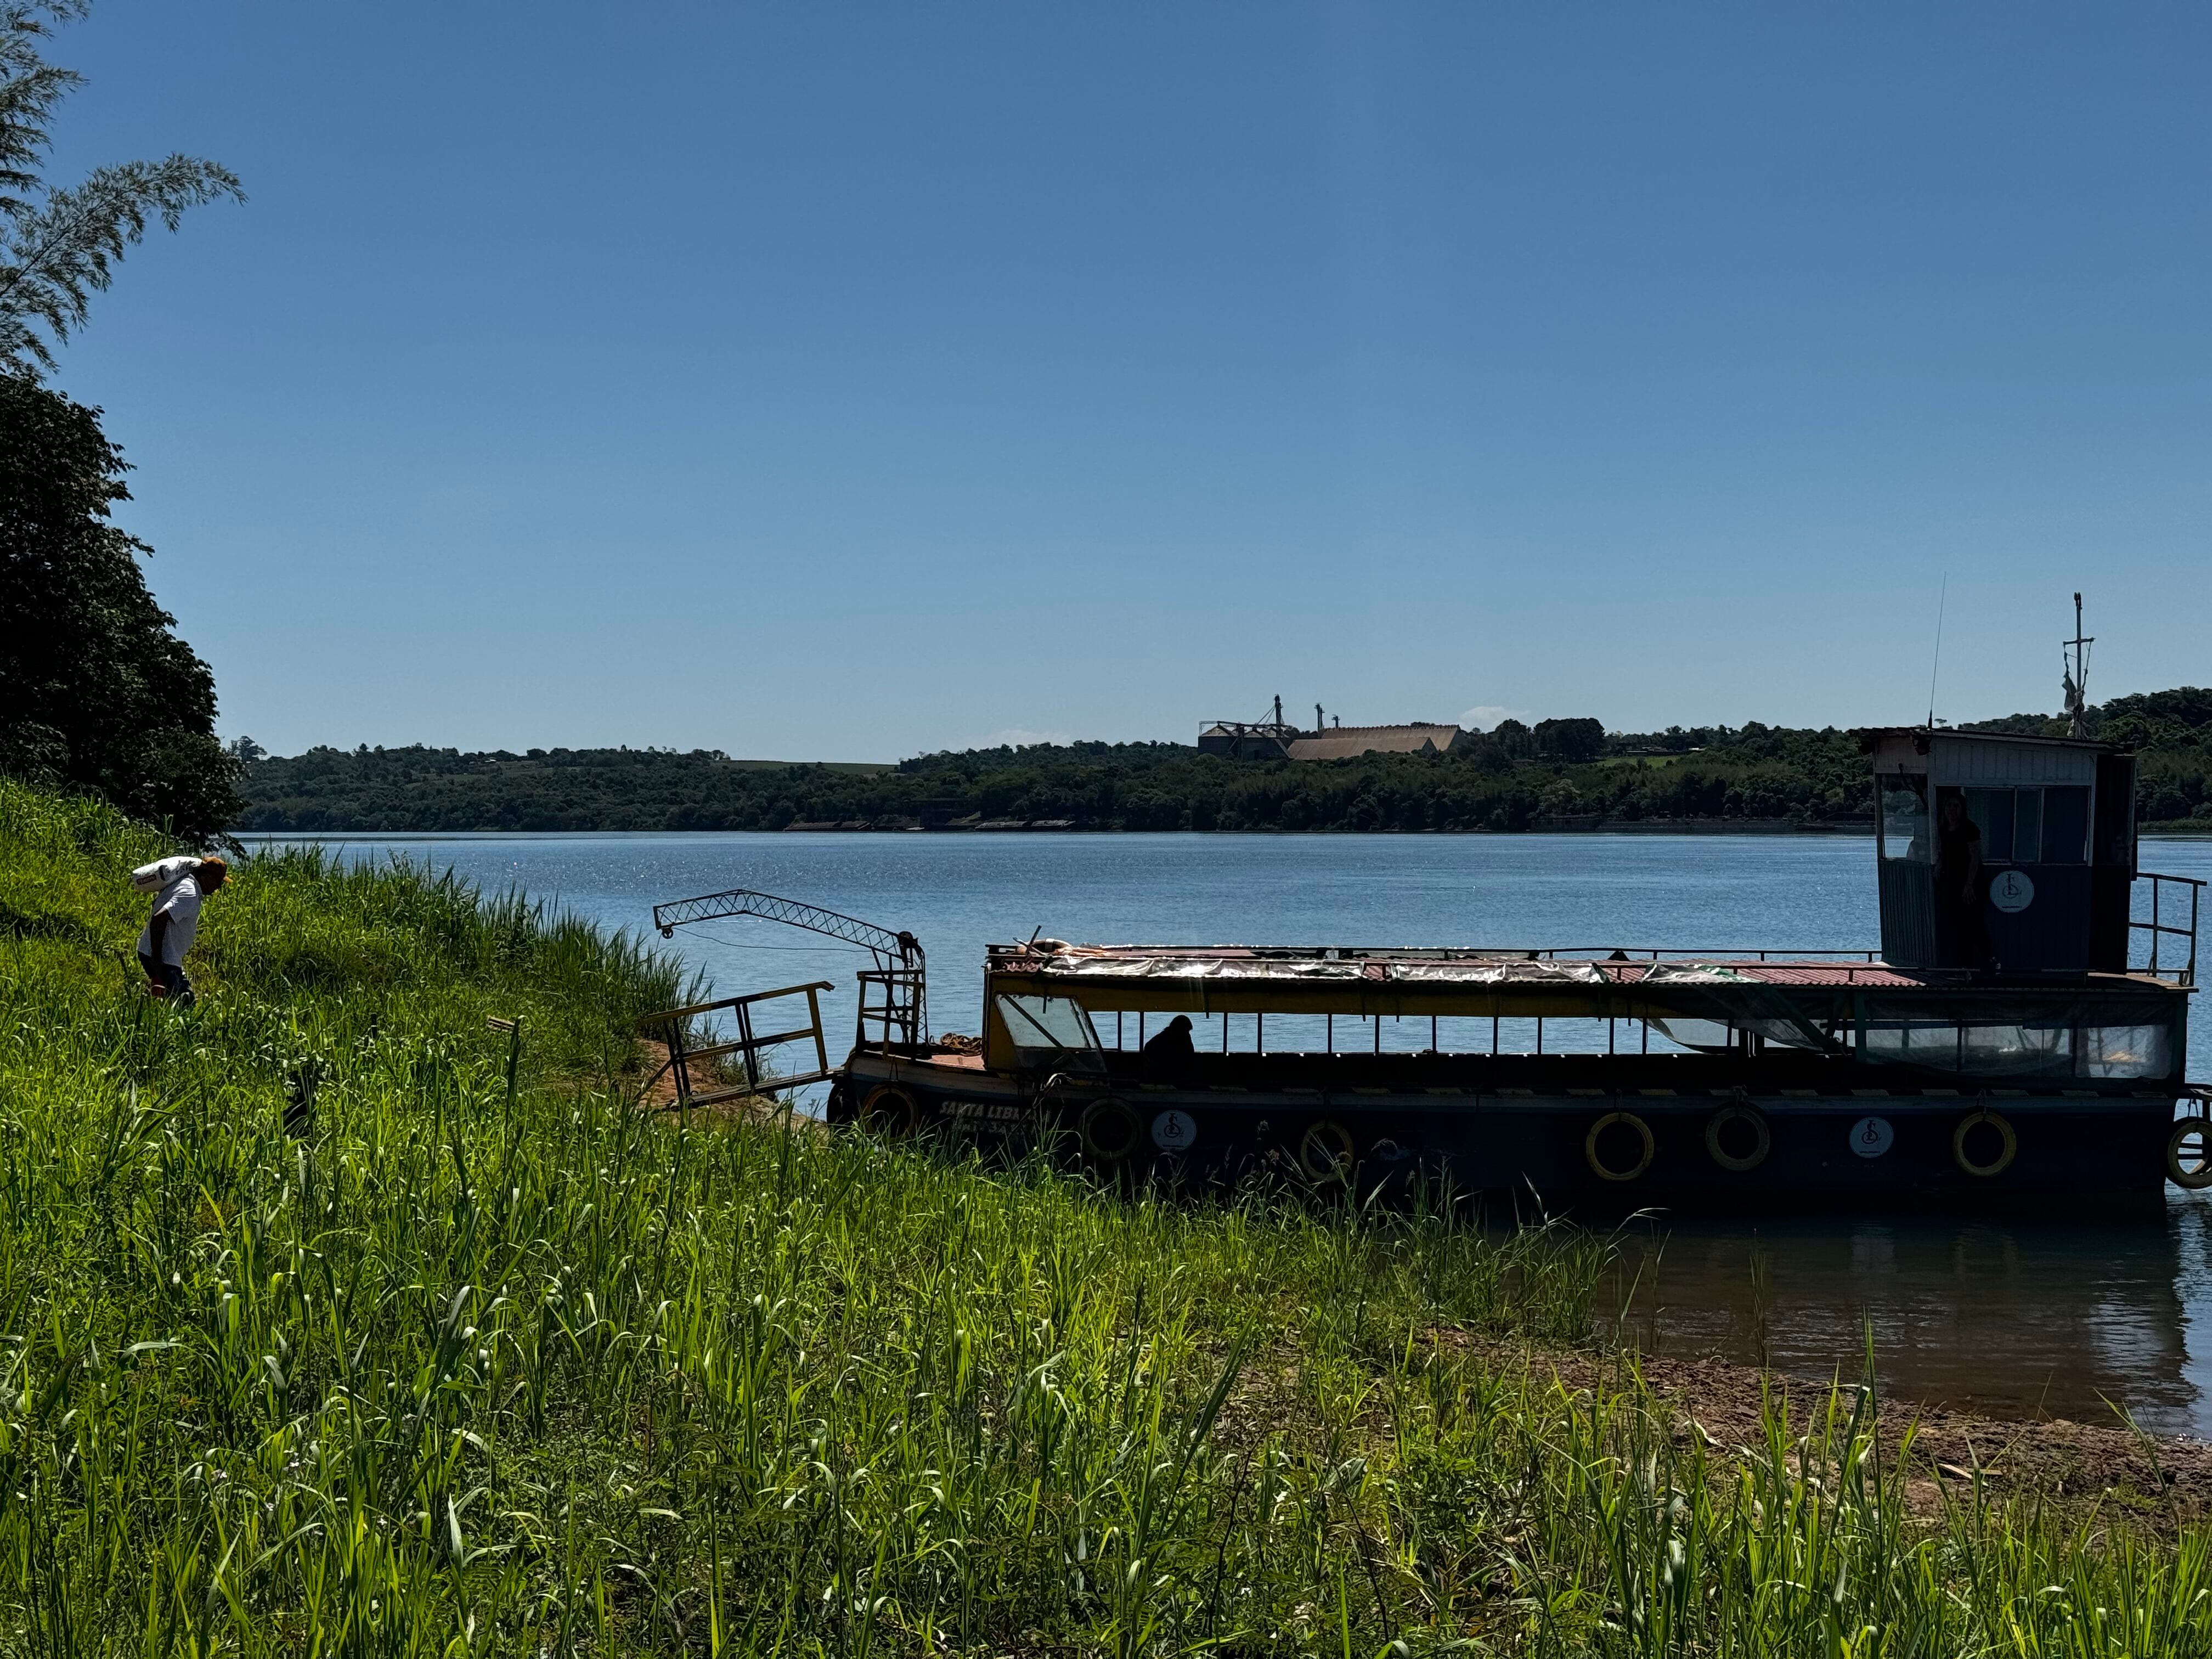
(2032, 826)
(1992, 814)
(1903, 820)
(2114, 1051)
(2027, 826)
(2066, 825)
(1047, 1024)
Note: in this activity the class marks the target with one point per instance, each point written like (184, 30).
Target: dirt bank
(2162, 1480)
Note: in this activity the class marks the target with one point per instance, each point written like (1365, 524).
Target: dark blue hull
(1569, 1147)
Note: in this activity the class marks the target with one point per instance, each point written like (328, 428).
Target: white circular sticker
(2012, 891)
(1173, 1131)
(1871, 1136)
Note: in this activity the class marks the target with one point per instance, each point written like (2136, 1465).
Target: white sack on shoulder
(163, 872)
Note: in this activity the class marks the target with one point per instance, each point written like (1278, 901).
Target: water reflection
(2056, 1318)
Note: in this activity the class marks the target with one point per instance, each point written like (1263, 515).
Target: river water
(2075, 1320)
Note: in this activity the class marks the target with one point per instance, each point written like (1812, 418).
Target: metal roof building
(1269, 740)
(1344, 742)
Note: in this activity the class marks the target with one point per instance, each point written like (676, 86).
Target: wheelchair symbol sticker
(1172, 1132)
(1871, 1136)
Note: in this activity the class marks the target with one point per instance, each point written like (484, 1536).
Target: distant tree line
(1501, 782)
(1570, 773)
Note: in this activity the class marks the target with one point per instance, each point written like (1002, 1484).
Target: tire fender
(890, 1112)
(1109, 1130)
(1736, 1113)
(1326, 1152)
(1598, 1166)
(2189, 1154)
(2008, 1149)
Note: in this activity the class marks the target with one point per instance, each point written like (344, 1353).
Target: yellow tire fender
(891, 1112)
(1604, 1171)
(2189, 1154)
(1325, 1151)
(1727, 1118)
(2007, 1145)
(1109, 1130)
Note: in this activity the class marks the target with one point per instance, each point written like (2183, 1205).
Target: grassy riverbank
(477, 1366)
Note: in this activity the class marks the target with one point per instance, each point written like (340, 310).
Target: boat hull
(1721, 1147)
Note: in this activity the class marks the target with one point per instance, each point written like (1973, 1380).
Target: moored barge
(2022, 1030)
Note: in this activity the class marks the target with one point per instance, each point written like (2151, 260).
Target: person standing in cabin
(1958, 880)
(179, 886)
(1170, 1056)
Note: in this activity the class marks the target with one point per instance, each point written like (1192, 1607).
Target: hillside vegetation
(1754, 773)
(1559, 773)
(479, 1361)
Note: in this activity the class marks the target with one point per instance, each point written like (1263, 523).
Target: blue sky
(846, 382)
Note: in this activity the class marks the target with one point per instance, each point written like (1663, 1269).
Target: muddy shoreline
(2160, 1480)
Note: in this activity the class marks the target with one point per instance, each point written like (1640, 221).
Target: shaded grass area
(480, 1366)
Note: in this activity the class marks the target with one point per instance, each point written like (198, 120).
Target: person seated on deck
(1171, 1056)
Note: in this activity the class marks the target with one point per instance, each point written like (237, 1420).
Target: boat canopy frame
(1492, 984)
(1825, 1005)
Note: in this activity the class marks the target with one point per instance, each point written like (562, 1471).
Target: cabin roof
(1871, 737)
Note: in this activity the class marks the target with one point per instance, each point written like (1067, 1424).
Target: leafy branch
(59, 247)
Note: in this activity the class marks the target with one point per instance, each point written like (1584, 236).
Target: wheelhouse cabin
(2051, 823)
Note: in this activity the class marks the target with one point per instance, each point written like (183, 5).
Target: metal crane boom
(900, 948)
(901, 969)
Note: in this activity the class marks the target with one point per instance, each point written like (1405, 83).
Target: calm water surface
(2058, 1317)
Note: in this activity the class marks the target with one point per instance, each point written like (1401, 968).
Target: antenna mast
(1942, 596)
(2074, 681)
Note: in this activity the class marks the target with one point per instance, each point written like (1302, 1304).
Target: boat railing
(893, 1011)
(2164, 924)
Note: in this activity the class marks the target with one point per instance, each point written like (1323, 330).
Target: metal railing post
(751, 1059)
(2156, 888)
(814, 1014)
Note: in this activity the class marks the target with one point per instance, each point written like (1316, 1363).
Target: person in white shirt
(179, 886)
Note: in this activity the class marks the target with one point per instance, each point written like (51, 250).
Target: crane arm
(890, 947)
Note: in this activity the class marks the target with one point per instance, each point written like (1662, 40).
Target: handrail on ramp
(669, 1027)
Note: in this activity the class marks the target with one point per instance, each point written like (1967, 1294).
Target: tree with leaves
(98, 694)
(96, 690)
(59, 246)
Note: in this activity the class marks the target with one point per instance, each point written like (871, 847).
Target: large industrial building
(1275, 739)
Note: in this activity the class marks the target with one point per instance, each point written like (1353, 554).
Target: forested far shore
(1556, 775)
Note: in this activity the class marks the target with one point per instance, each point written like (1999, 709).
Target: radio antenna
(2074, 681)
(1942, 595)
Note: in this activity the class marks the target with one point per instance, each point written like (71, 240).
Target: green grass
(478, 1365)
